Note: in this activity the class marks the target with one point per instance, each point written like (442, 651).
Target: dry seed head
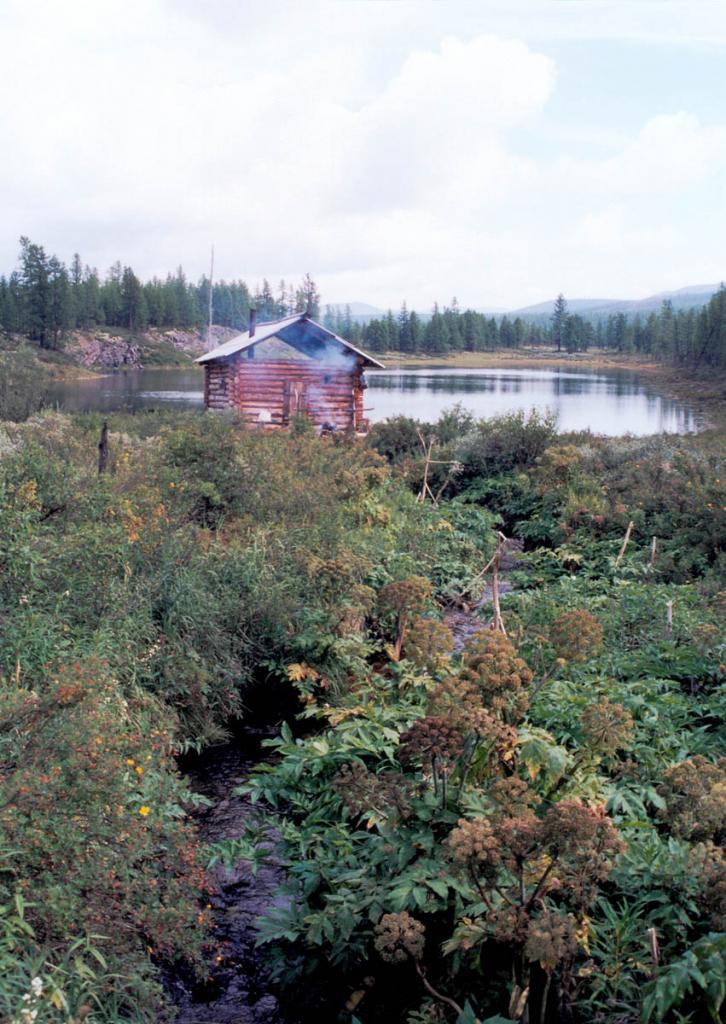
(551, 938)
(429, 645)
(433, 736)
(576, 635)
(607, 727)
(400, 936)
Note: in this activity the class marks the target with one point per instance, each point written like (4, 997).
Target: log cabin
(278, 370)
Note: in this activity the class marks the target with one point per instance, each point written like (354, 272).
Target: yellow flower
(144, 810)
(139, 770)
(129, 760)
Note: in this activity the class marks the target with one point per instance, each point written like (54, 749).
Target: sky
(499, 151)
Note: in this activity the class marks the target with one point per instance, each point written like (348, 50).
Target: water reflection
(616, 402)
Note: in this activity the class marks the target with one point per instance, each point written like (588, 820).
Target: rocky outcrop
(105, 350)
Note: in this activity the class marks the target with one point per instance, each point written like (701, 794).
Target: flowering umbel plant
(399, 601)
(429, 645)
(536, 876)
(490, 662)
(400, 937)
(386, 796)
(695, 796)
(576, 635)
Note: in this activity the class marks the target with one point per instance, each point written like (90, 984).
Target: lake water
(612, 402)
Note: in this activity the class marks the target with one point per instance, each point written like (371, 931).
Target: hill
(681, 298)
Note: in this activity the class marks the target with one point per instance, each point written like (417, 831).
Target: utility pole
(209, 323)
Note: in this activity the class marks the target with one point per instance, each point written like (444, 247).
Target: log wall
(282, 387)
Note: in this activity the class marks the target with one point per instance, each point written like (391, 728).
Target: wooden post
(103, 449)
(653, 550)
(209, 320)
(669, 618)
(498, 620)
(624, 545)
(654, 951)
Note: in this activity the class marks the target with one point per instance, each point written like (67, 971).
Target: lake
(613, 402)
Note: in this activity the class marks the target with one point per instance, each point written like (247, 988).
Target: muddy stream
(240, 989)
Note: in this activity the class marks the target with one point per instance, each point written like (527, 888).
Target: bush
(505, 443)
(24, 385)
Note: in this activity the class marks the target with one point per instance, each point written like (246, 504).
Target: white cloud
(390, 157)
(670, 152)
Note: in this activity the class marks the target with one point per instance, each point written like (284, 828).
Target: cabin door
(294, 400)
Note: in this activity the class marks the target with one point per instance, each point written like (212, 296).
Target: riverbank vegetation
(525, 827)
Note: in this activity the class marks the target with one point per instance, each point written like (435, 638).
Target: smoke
(336, 358)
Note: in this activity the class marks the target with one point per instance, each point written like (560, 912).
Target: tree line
(693, 337)
(43, 299)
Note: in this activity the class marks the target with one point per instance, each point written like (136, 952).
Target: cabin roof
(300, 331)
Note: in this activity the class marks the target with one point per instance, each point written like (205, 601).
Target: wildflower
(144, 810)
(36, 987)
(139, 770)
(429, 645)
(129, 760)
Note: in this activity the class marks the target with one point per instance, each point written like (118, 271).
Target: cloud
(394, 150)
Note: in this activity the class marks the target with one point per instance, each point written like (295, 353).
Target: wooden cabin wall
(216, 385)
(330, 395)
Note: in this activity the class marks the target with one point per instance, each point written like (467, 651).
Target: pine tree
(133, 303)
(559, 321)
(35, 292)
(60, 302)
(307, 298)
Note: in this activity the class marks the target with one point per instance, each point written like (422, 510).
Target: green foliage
(137, 607)
(530, 815)
(23, 385)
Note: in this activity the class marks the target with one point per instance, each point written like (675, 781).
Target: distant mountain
(682, 298)
(360, 312)
(363, 312)
(573, 305)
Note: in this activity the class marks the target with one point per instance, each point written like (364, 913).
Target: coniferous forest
(44, 299)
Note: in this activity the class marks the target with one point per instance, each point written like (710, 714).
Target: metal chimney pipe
(253, 322)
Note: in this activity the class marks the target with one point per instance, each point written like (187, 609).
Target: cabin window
(327, 378)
